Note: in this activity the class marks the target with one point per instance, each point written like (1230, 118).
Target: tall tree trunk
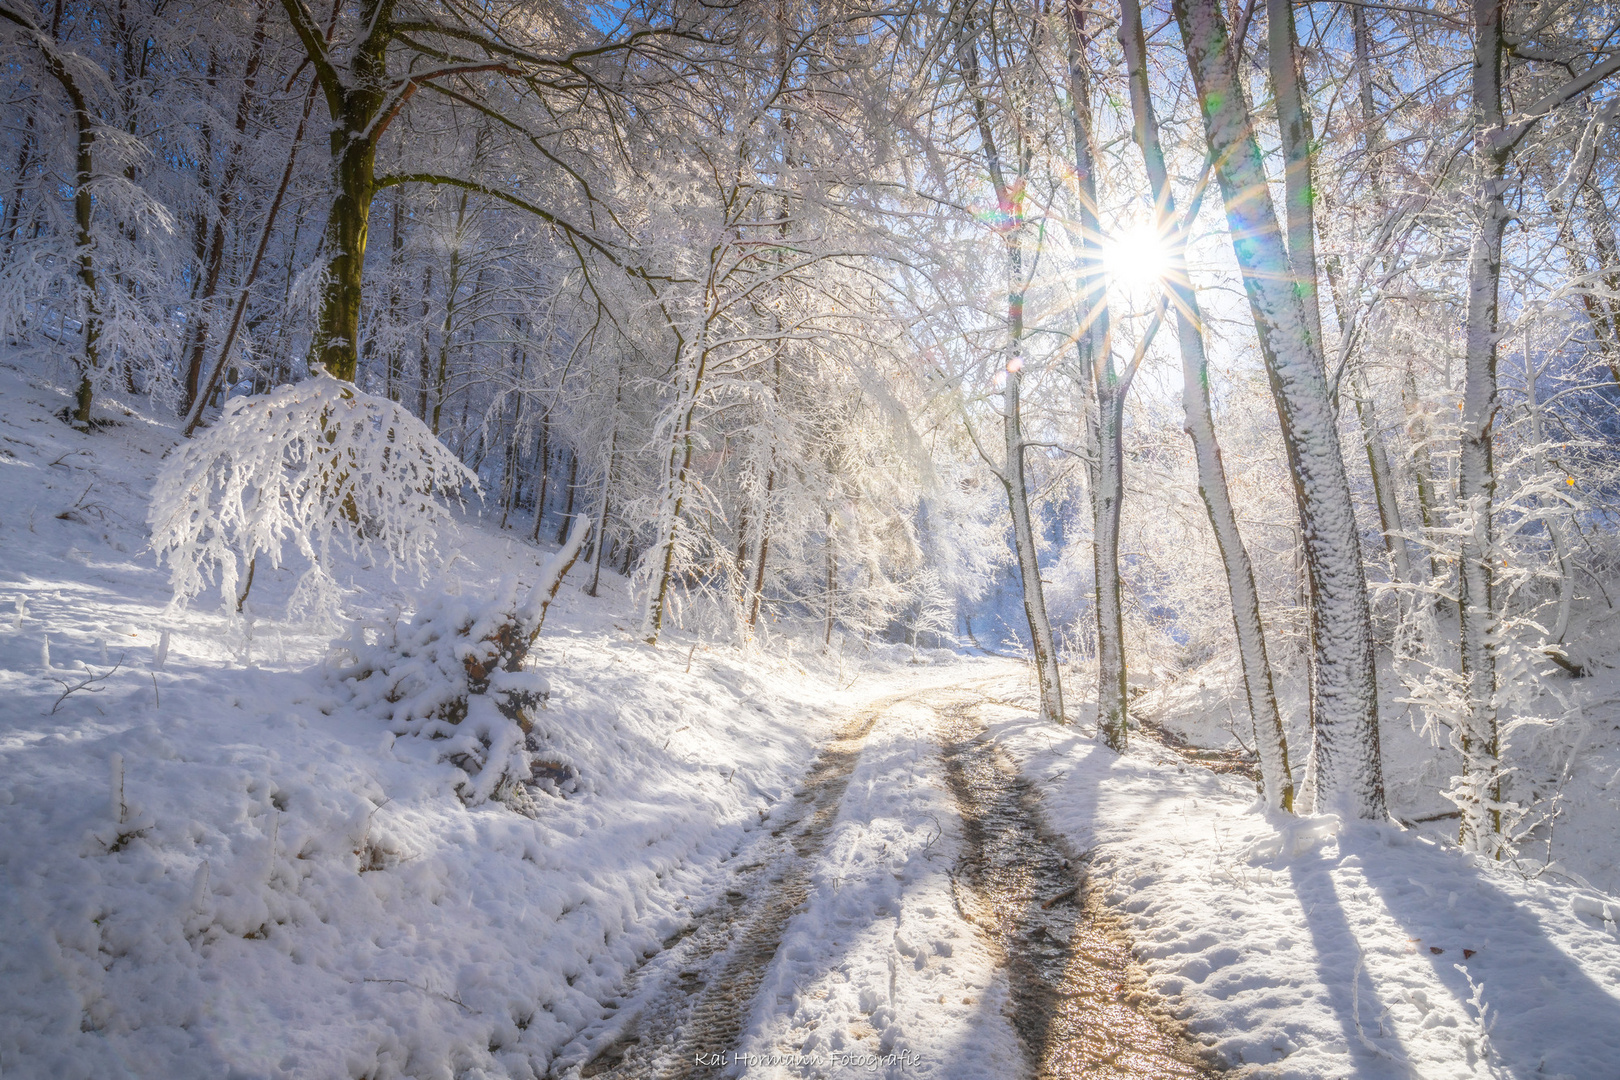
(1383, 477)
(1344, 702)
(84, 126)
(396, 259)
(214, 259)
(1372, 441)
(1010, 201)
(542, 456)
(568, 498)
(448, 329)
(1294, 124)
(607, 487)
(509, 481)
(424, 370)
(13, 215)
(206, 390)
(754, 576)
(1105, 427)
(832, 579)
(692, 364)
(1271, 742)
(1479, 790)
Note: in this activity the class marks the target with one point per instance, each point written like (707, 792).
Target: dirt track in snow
(1078, 1003)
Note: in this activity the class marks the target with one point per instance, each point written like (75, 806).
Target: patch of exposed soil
(1080, 1003)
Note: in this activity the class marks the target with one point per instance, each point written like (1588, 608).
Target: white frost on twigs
(317, 463)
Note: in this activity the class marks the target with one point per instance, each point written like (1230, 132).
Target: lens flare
(1135, 256)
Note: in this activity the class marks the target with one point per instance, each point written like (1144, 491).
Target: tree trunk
(396, 258)
(446, 331)
(1344, 702)
(1104, 428)
(832, 579)
(1271, 741)
(1383, 481)
(1042, 647)
(542, 455)
(509, 481)
(424, 373)
(1010, 201)
(207, 388)
(757, 590)
(675, 484)
(337, 336)
(1479, 789)
(1294, 124)
(607, 486)
(84, 168)
(568, 499)
(84, 123)
(13, 215)
(214, 260)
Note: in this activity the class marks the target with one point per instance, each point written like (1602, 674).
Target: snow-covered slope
(285, 889)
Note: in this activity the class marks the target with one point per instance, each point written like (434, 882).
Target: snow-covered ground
(212, 866)
(288, 890)
(881, 964)
(1305, 948)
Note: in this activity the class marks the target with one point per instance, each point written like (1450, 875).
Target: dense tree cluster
(847, 320)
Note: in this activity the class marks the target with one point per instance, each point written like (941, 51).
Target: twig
(1066, 894)
(406, 982)
(69, 687)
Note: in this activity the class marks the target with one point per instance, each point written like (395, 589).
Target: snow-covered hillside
(285, 889)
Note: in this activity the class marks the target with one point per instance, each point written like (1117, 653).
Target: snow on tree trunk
(1103, 427)
(1042, 647)
(1010, 196)
(1478, 791)
(1383, 481)
(65, 69)
(1344, 704)
(1383, 477)
(660, 559)
(1270, 741)
(1108, 499)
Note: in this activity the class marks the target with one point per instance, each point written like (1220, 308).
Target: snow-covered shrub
(455, 672)
(319, 464)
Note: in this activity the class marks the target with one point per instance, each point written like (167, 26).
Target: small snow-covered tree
(319, 464)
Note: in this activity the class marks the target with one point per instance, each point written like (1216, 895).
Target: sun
(1136, 256)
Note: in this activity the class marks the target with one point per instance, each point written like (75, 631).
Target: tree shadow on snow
(1546, 1013)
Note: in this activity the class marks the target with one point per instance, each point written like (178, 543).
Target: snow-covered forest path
(912, 916)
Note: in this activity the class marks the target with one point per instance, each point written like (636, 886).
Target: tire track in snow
(723, 957)
(1079, 1001)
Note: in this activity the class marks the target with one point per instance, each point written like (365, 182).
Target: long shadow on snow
(1356, 1005)
(1081, 1003)
(1572, 1029)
